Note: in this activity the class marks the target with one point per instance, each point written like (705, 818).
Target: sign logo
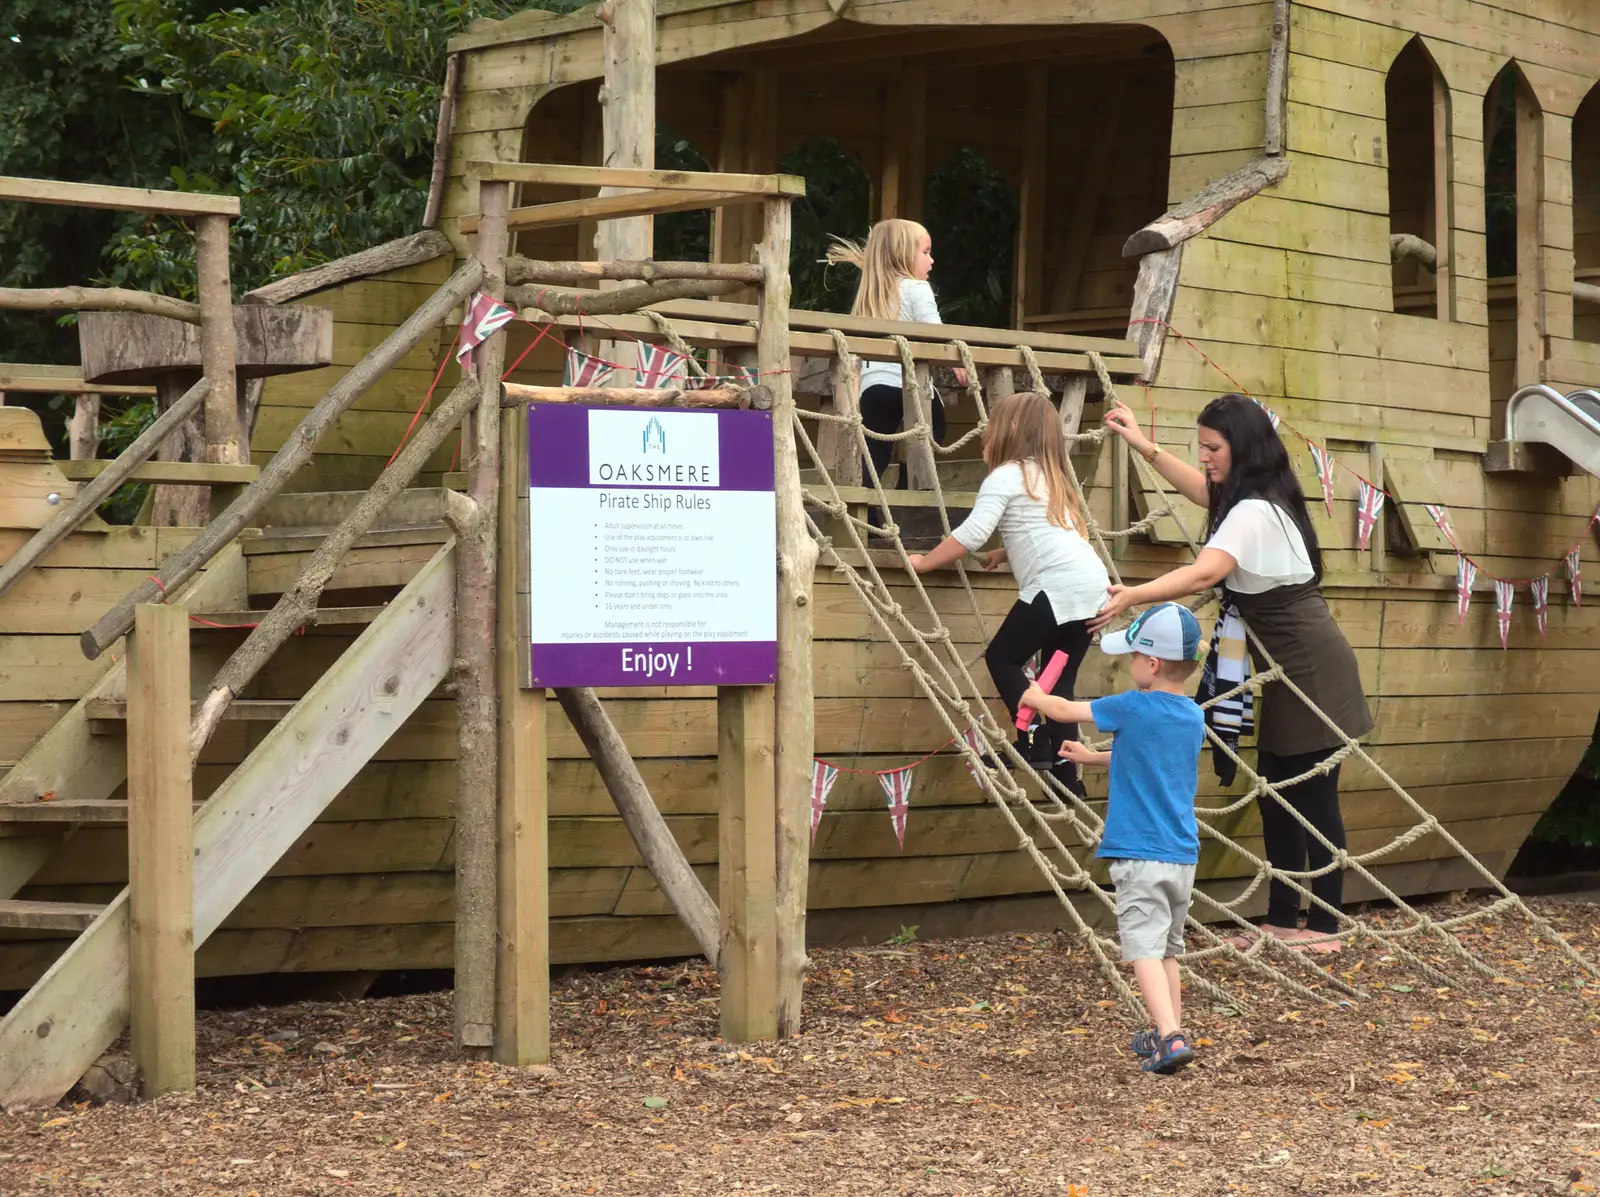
(669, 449)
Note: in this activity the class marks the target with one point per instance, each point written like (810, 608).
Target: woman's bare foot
(1316, 941)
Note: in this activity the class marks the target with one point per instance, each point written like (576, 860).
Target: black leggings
(1292, 848)
(1032, 628)
(881, 410)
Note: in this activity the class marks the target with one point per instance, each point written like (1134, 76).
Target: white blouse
(1267, 544)
(916, 304)
(1043, 556)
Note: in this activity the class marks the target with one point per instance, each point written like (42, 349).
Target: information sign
(654, 547)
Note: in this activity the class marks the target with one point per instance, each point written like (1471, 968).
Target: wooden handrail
(117, 199)
(96, 492)
(296, 452)
(97, 299)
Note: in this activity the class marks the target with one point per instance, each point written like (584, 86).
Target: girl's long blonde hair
(889, 255)
(1024, 428)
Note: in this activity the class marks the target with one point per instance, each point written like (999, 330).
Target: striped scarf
(1226, 667)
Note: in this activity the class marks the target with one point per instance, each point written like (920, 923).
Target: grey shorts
(1152, 902)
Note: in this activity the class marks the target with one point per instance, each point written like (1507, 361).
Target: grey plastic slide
(1568, 423)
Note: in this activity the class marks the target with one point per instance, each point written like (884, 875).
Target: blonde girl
(1061, 583)
(895, 263)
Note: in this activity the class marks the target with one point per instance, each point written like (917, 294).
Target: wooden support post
(1028, 296)
(997, 384)
(180, 506)
(728, 242)
(1154, 291)
(160, 851)
(1378, 547)
(1086, 197)
(1530, 237)
(905, 146)
(1121, 500)
(477, 752)
(83, 429)
(839, 445)
(797, 561)
(522, 976)
(225, 435)
(1073, 395)
(628, 135)
(747, 863)
(917, 456)
(1443, 208)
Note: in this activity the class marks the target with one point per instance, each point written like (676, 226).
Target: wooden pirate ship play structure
(1382, 223)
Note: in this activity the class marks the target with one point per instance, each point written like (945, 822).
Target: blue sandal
(1146, 1044)
(1173, 1054)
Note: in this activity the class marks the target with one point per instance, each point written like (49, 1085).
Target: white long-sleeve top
(1043, 557)
(916, 304)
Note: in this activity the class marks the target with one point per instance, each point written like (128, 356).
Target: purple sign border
(558, 457)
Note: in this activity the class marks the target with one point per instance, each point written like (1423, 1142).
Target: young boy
(1150, 838)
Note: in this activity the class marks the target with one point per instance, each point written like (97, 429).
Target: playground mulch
(992, 1065)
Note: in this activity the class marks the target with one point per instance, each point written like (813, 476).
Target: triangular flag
(1575, 575)
(1441, 519)
(485, 316)
(585, 370)
(823, 775)
(970, 736)
(1271, 415)
(896, 785)
(1504, 592)
(1324, 464)
(660, 367)
(1370, 504)
(1466, 574)
(1541, 603)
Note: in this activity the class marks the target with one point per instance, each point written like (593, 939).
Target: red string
(1448, 532)
(438, 374)
(159, 585)
(897, 768)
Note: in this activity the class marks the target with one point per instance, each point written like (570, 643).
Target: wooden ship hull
(1400, 371)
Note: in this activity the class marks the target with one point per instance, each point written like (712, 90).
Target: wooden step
(108, 716)
(322, 617)
(112, 811)
(48, 916)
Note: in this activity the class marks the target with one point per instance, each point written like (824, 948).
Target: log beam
(529, 270)
(1207, 206)
(96, 299)
(758, 397)
(392, 255)
(610, 303)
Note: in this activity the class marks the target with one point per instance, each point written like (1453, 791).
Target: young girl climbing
(895, 263)
(1029, 498)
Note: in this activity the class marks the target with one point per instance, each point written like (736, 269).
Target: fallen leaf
(655, 1103)
(895, 1016)
(54, 1122)
(445, 1096)
(47, 796)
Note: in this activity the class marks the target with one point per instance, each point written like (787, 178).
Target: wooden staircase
(314, 748)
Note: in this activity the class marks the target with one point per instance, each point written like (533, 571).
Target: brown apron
(1295, 626)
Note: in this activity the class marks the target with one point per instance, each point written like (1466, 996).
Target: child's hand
(961, 377)
(915, 561)
(1032, 695)
(995, 558)
(1072, 750)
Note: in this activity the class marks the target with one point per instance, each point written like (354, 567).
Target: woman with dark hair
(1261, 551)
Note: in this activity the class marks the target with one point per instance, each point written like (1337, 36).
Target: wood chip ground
(993, 1065)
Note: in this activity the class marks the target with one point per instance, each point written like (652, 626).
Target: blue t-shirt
(1155, 770)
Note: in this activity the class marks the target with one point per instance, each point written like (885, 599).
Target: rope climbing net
(1060, 831)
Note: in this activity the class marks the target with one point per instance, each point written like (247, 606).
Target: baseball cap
(1167, 631)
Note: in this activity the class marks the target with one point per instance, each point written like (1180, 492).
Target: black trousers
(1292, 848)
(1032, 628)
(882, 408)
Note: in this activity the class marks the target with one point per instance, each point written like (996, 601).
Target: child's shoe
(1146, 1044)
(1173, 1054)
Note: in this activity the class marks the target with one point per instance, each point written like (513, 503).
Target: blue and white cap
(1167, 631)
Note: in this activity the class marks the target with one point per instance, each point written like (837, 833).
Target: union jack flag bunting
(1441, 517)
(896, 785)
(660, 367)
(1541, 603)
(1324, 464)
(485, 316)
(1575, 575)
(586, 370)
(1371, 503)
(1271, 415)
(1504, 592)
(823, 775)
(1466, 574)
(970, 736)
(744, 376)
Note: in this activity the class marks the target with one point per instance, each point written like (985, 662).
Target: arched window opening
(837, 203)
(971, 213)
(1416, 109)
(1586, 217)
(1513, 243)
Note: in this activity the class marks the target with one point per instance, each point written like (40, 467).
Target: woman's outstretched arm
(1209, 568)
(1189, 482)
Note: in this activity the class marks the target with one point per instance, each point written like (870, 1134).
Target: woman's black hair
(1260, 469)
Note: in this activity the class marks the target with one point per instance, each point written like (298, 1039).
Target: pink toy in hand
(1047, 679)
